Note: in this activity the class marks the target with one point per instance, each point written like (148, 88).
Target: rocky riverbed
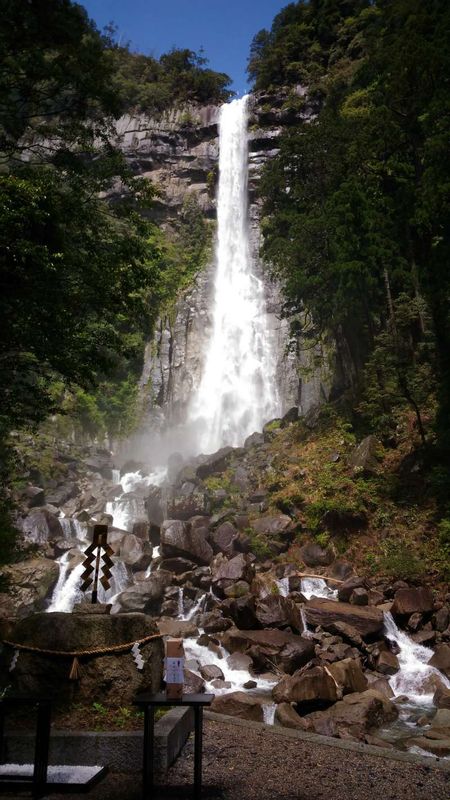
(200, 550)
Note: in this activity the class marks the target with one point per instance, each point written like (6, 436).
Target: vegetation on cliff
(356, 203)
(82, 280)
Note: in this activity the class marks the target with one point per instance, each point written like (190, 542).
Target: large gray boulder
(357, 713)
(364, 457)
(367, 620)
(39, 526)
(238, 704)
(111, 678)
(145, 596)
(29, 584)
(181, 539)
(315, 685)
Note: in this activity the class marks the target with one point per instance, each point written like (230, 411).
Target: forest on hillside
(357, 202)
(355, 214)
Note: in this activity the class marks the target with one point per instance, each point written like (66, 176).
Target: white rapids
(415, 678)
(237, 392)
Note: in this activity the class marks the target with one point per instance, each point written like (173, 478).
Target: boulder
(177, 565)
(145, 596)
(286, 716)
(349, 675)
(315, 556)
(238, 704)
(214, 463)
(131, 549)
(275, 611)
(441, 659)
(39, 526)
(187, 505)
(34, 496)
(141, 529)
(340, 569)
(367, 620)
(226, 572)
(346, 589)
(359, 597)
(193, 684)
(354, 714)
(179, 539)
(214, 622)
(314, 686)
(387, 663)
(295, 654)
(441, 697)
(241, 610)
(412, 600)
(154, 506)
(223, 539)
(347, 632)
(364, 457)
(442, 619)
(211, 672)
(111, 677)
(62, 493)
(177, 628)
(254, 440)
(29, 584)
(273, 526)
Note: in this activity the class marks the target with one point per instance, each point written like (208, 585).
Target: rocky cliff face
(179, 153)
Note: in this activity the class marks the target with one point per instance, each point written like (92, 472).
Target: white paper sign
(174, 670)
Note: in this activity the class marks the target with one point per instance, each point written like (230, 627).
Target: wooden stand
(39, 777)
(148, 703)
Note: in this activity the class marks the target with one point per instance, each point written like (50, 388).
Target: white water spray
(237, 393)
(416, 678)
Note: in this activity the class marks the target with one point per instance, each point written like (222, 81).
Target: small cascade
(115, 476)
(283, 586)
(416, 678)
(67, 590)
(180, 603)
(186, 616)
(130, 506)
(66, 525)
(307, 634)
(155, 554)
(237, 677)
(318, 588)
(269, 713)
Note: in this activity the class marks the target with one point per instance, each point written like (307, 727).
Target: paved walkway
(246, 761)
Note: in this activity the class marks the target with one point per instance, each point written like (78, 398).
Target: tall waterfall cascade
(237, 393)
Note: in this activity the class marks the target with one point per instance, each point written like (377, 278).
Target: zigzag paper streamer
(138, 660)
(14, 660)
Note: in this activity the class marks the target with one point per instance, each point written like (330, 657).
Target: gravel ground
(251, 763)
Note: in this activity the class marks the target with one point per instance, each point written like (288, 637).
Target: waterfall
(317, 587)
(416, 678)
(237, 392)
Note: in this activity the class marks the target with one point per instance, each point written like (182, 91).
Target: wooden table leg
(41, 749)
(198, 744)
(147, 779)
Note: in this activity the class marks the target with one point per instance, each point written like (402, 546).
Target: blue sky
(224, 28)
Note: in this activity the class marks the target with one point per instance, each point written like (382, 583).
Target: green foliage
(258, 544)
(357, 202)
(399, 561)
(149, 85)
